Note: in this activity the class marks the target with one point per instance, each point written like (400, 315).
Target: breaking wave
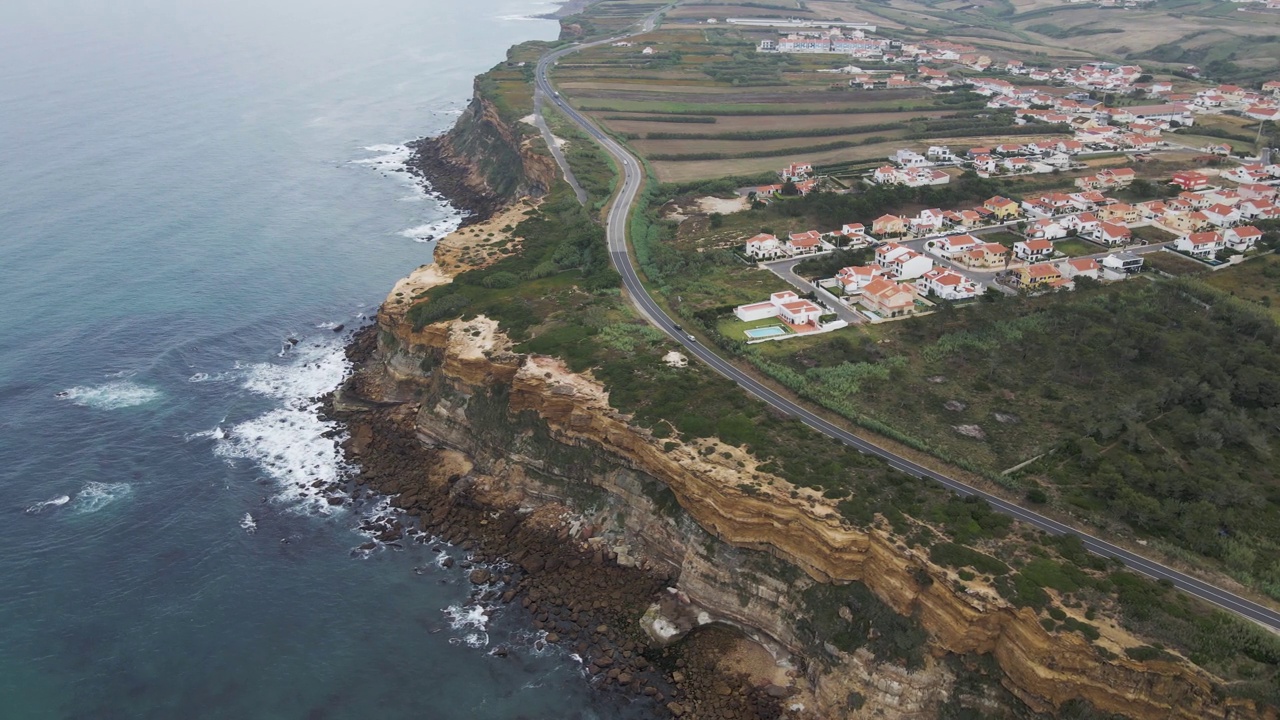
(111, 396)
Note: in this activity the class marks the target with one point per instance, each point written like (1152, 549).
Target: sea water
(185, 186)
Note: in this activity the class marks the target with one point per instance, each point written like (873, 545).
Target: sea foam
(95, 496)
(472, 620)
(393, 160)
(291, 443)
(111, 396)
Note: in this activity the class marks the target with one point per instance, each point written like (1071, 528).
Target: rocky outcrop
(534, 431)
(484, 162)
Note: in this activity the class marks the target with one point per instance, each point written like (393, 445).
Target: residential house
(1112, 234)
(1046, 230)
(1185, 222)
(928, 221)
(1002, 208)
(1120, 213)
(889, 299)
(1190, 180)
(855, 233)
(1016, 165)
(796, 171)
(1201, 244)
(804, 243)
(951, 246)
(1242, 238)
(764, 246)
(785, 305)
(902, 263)
(1080, 267)
(1222, 215)
(1033, 250)
(1121, 264)
(888, 225)
(949, 285)
(856, 277)
(987, 255)
(907, 158)
(1083, 223)
(1258, 210)
(1038, 275)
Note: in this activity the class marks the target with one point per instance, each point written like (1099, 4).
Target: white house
(856, 277)
(1046, 230)
(1112, 234)
(949, 285)
(1222, 215)
(1082, 223)
(1122, 263)
(804, 243)
(940, 153)
(764, 246)
(1201, 244)
(1242, 238)
(1033, 250)
(907, 158)
(786, 305)
(954, 245)
(930, 220)
(901, 263)
(1080, 267)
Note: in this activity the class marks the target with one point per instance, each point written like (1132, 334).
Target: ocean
(184, 187)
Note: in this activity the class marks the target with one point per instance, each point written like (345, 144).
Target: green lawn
(1151, 234)
(1075, 247)
(1004, 237)
(735, 329)
(1256, 280)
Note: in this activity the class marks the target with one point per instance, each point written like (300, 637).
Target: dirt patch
(482, 244)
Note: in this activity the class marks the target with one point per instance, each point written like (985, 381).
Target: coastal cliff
(486, 160)
(519, 434)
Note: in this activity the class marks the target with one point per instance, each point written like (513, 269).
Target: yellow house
(1120, 213)
(1038, 274)
(1185, 222)
(1002, 207)
(888, 225)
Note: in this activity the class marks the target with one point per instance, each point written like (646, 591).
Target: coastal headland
(684, 563)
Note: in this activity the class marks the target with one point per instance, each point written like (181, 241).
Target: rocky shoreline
(433, 164)
(572, 589)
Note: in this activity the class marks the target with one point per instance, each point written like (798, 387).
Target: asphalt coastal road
(616, 228)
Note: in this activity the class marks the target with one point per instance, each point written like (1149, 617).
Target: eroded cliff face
(485, 161)
(537, 434)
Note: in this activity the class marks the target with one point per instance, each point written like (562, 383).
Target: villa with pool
(792, 313)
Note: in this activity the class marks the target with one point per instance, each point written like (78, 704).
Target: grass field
(1256, 280)
(1074, 247)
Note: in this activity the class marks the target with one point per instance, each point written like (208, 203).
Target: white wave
(519, 17)
(42, 506)
(393, 160)
(201, 377)
(96, 495)
(433, 231)
(289, 443)
(111, 396)
(467, 617)
(216, 433)
(248, 523)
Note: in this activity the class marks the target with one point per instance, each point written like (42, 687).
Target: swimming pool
(765, 332)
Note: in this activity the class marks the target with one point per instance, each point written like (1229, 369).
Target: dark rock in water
(368, 546)
(339, 327)
(291, 341)
(334, 501)
(447, 562)
(479, 576)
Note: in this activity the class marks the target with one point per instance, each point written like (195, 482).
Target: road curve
(616, 227)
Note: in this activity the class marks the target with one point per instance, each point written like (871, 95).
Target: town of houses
(942, 255)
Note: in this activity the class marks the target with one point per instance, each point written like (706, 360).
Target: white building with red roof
(949, 285)
(1201, 244)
